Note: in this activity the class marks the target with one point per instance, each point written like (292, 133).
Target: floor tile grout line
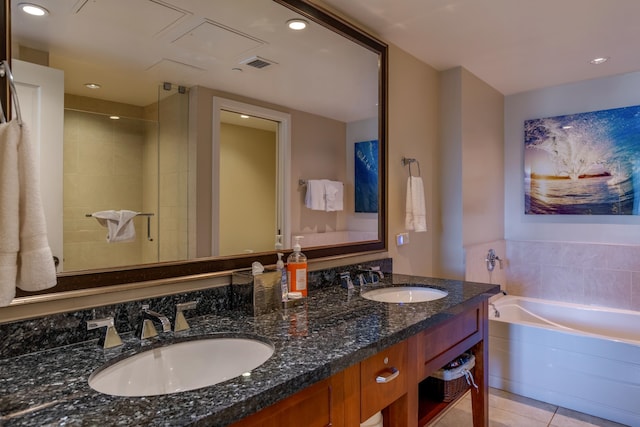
(553, 416)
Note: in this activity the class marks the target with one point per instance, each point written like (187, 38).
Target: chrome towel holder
(6, 71)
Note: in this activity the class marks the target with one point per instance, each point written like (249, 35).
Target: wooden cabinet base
(353, 395)
(320, 405)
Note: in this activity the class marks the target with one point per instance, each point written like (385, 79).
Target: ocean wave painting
(366, 176)
(583, 164)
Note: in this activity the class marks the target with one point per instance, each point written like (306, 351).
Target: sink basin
(405, 294)
(181, 366)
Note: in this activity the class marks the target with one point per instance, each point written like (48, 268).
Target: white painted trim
(284, 165)
(41, 93)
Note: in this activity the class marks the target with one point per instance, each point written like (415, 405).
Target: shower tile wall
(102, 170)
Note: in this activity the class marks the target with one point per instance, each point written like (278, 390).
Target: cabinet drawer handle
(387, 375)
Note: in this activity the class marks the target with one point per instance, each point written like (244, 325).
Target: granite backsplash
(57, 330)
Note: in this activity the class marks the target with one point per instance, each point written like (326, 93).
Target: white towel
(415, 218)
(26, 261)
(120, 227)
(314, 198)
(333, 194)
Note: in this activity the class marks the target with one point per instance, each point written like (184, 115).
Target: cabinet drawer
(434, 344)
(383, 379)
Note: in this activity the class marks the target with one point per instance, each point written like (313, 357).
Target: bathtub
(579, 357)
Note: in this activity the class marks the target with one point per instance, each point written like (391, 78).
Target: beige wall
(248, 183)
(413, 132)
(317, 152)
(482, 161)
(317, 147)
(471, 168)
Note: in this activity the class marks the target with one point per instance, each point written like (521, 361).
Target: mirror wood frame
(140, 273)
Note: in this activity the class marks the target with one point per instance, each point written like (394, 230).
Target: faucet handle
(146, 329)
(345, 280)
(181, 323)
(111, 337)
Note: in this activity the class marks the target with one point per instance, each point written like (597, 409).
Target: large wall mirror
(210, 120)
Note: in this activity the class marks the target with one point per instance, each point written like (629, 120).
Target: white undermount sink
(404, 294)
(181, 366)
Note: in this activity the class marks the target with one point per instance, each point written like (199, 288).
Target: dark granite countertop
(331, 331)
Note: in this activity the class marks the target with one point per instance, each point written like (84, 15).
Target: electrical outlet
(402, 239)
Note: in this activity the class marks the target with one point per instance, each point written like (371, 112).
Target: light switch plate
(402, 239)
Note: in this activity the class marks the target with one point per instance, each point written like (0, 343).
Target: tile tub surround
(585, 273)
(342, 328)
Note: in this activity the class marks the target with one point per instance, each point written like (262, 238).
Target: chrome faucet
(111, 338)
(375, 274)
(345, 280)
(147, 329)
(180, 323)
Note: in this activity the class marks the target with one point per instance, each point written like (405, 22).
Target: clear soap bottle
(297, 269)
(284, 287)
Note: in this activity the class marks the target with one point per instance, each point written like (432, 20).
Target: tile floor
(511, 410)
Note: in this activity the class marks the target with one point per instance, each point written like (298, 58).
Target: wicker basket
(451, 381)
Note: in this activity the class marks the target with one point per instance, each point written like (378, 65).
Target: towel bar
(148, 215)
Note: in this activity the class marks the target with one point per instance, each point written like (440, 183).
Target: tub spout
(496, 313)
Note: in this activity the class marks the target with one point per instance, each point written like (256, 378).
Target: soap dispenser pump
(297, 269)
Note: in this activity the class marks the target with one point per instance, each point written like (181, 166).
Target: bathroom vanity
(338, 359)
(390, 381)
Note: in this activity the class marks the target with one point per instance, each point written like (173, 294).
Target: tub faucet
(496, 313)
(147, 329)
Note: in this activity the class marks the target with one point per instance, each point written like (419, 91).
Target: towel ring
(407, 161)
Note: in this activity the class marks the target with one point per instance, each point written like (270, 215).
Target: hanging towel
(26, 260)
(333, 194)
(415, 218)
(314, 199)
(120, 227)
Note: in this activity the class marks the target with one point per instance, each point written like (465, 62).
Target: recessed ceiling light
(92, 85)
(33, 9)
(244, 116)
(114, 117)
(600, 60)
(297, 24)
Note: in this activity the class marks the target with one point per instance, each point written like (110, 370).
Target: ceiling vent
(258, 62)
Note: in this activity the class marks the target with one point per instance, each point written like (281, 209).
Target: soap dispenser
(284, 288)
(297, 269)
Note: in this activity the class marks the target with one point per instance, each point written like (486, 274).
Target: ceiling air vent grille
(257, 62)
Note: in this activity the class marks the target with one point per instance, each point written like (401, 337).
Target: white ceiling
(131, 47)
(513, 45)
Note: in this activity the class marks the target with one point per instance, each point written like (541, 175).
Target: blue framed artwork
(583, 164)
(366, 176)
